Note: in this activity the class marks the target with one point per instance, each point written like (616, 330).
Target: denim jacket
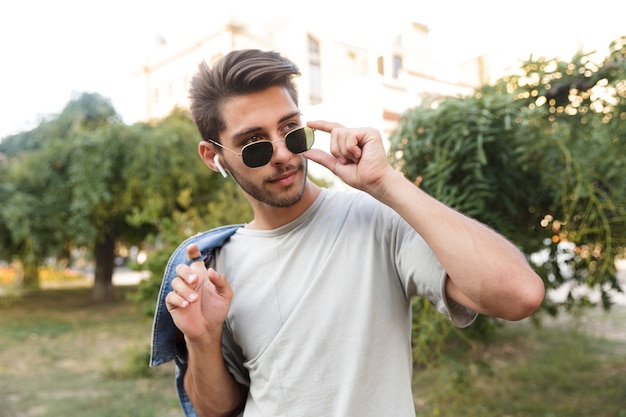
(167, 341)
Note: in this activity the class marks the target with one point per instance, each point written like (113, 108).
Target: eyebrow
(258, 129)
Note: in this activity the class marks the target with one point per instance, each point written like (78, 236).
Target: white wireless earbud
(219, 166)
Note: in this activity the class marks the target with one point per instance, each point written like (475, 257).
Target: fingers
(337, 136)
(193, 254)
(195, 265)
(323, 125)
(345, 144)
(188, 285)
(181, 296)
(221, 284)
(187, 273)
(323, 158)
(185, 285)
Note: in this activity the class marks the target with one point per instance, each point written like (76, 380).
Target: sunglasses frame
(310, 140)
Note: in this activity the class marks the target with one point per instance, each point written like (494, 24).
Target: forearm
(212, 389)
(488, 273)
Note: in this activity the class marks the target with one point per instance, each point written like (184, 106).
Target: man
(305, 310)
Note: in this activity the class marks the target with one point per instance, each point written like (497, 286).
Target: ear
(210, 157)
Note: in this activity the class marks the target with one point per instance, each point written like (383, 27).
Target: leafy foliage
(84, 179)
(579, 109)
(228, 206)
(34, 212)
(539, 157)
(465, 153)
(85, 111)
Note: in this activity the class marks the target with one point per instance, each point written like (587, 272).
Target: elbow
(528, 298)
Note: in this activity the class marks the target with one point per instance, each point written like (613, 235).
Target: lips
(284, 178)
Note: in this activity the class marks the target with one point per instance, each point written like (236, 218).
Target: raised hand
(357, 156)
(199, 300)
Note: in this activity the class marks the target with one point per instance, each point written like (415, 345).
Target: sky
(53, 50)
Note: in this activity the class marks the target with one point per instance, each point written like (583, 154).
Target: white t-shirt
(320, 320)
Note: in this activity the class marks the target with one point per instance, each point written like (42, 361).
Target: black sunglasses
(259, 153)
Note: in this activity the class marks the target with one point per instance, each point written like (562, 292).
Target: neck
(268, 217)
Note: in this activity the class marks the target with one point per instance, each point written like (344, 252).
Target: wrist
(205, 340)
(388, 186)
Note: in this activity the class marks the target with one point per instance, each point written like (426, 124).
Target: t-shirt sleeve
(422, 274)
(460, 315)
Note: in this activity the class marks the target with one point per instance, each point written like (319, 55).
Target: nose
(281, 154)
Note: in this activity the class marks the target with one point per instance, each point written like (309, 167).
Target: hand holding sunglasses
(259, 153)
(357, 157)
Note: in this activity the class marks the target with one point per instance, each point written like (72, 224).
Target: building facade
(355, 85)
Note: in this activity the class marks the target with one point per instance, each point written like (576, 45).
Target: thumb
(323, 158)
(221, 284)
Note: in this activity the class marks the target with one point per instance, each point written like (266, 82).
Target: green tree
(100, 198)
(35, 210)
(127, 180)
(83, 111)
(579, 108)
(84, 179)
(227, 206)
(539, 157)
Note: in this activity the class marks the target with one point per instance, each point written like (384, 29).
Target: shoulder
(207, 241)
(357, 203)
(350, 199)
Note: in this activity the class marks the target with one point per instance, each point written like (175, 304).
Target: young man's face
(266, 115)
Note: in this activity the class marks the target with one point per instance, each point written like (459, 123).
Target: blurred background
(51, 50)
(511, 112)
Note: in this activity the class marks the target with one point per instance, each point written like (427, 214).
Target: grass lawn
(62, 356)
(570, 367)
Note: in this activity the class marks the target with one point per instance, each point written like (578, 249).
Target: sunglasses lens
(257, 154)
(300, 140)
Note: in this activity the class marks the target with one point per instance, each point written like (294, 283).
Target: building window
(380, 63)
(397, 65)
(315, 73)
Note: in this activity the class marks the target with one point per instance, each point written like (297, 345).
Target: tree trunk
(30, 276)
(104, 253)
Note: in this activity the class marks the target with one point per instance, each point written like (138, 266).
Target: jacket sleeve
(168, 342)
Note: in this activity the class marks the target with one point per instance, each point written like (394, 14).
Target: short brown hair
(237, 73)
